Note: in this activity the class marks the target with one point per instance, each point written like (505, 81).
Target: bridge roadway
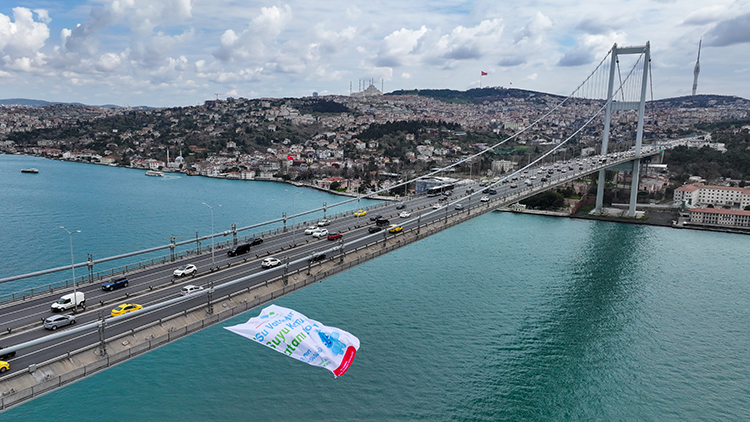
(20, 322)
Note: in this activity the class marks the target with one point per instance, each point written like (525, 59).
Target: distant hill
(41, 103)
(478, 95)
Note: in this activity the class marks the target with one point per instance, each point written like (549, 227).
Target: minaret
(697, 69)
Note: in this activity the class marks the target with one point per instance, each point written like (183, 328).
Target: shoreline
(666, 218)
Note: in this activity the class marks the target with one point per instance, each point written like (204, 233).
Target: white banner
(288, 331)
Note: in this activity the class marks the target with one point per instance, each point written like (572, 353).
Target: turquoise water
(505, 317)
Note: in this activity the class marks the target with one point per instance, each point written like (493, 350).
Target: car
(125, 308)
(189, 289)
(311, 229)
(360, 213)
(382, 222)
(469, 190)
(492, 192)
(513, 186)
(334, 235)
(485, 198)
(405, 214)
(400, 206)
(55, 321)
(239, 249)
(6, 356)
(317, 257)
(115, 283)
(436, 207)
(324, 222)
(374, 229)
(185, 270)
(320, 233)
(376, 217)
(270, 262)
(4, 366)
(459, 206)
(394, 228)
(255, 241)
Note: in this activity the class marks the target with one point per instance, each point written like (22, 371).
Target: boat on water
(154, 173)
(29, 171)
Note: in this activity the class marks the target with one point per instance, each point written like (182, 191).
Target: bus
(438, 190)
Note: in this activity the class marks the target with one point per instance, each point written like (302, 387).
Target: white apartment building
(696, 195)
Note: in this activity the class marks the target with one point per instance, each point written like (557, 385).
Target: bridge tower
(640, 105)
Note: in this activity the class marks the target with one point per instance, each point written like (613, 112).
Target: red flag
(289, 157)
(484, 73)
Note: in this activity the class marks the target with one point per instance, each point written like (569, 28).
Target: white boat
(154, 173)
(29, 171)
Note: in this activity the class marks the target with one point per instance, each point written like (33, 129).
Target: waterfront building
(713, 195)
(718, 217)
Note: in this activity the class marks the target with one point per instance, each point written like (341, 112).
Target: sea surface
(507, 317)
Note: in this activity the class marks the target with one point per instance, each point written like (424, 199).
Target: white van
(67, 302)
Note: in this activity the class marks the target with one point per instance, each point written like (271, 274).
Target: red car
(334, 235)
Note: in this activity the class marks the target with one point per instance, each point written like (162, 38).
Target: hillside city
(369, 141)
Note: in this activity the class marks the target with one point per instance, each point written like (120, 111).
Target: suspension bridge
(41, 362)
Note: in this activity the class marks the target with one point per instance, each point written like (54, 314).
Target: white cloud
(22, 38)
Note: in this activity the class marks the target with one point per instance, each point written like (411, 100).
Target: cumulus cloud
(729, 32)
(534, 30)
(22, 38)
(588, 49)
(250, 45)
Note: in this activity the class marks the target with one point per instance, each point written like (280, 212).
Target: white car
(436, 206)
(320, 233)
(189, 289)
(324, 222)
(185, 270)
(404, 214)
(311, 229)
(485, 198)
(270, 262)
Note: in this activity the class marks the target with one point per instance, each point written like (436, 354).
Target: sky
(164, 53)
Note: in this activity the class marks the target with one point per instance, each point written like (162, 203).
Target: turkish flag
(484, 73)
(289, 157)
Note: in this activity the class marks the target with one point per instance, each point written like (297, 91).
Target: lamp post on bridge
(213, 260)
(72, 267)
(294, 232)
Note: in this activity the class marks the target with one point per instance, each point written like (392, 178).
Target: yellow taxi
(125, 308)
(393, 228)
(4, 366)
(360, 213)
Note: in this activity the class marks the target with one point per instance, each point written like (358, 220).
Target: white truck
(70, 301)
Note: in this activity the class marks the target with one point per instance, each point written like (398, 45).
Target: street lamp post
(72, 267)
(294, 232)
(213, 260)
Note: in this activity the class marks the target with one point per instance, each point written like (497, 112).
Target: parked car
(55, 321)
(185, 270)
(189, 289)
(324, 222)
(394, 228)
(485, 198)
(404, 214)
(320, 233)
(400, 206)
(125, 308)
(311, 229)
(4, 366)
(317, 257)
(270, 262)
(360, 213)
(374, 229)
(334, 235)
(115, 283)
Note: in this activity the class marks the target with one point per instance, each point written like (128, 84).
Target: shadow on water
(547, 368)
